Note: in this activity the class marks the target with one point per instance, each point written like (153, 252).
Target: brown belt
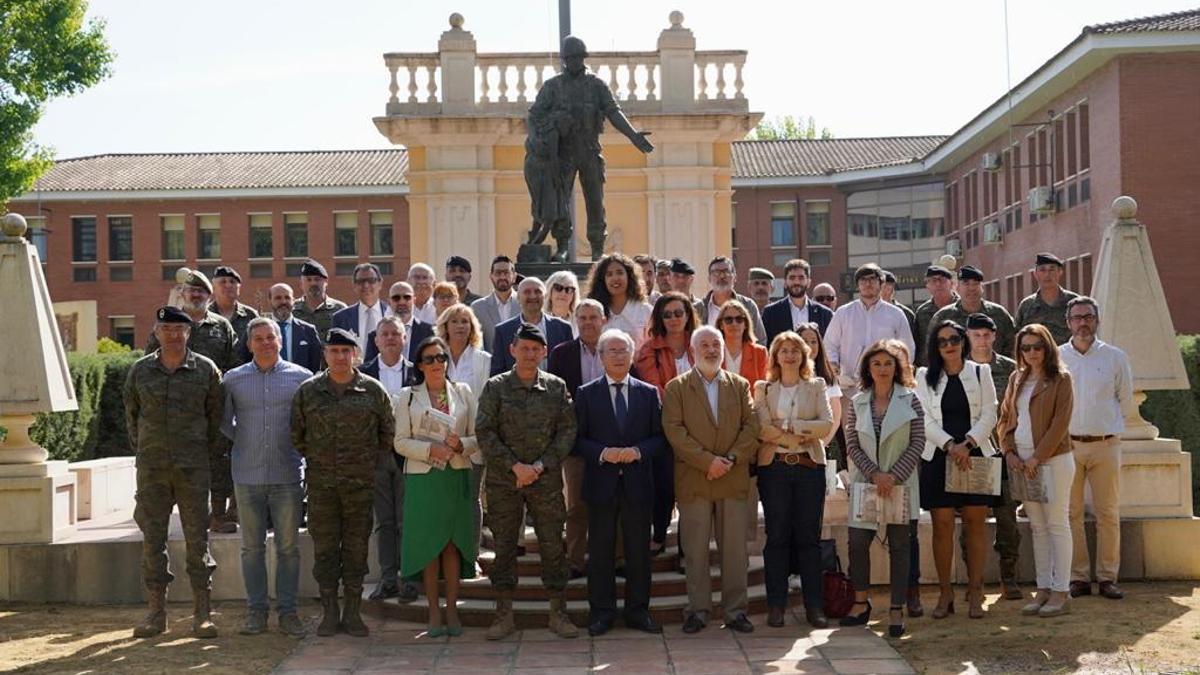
(796, 459)
(1092, 439)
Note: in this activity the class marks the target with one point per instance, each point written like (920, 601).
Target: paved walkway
(403, 648)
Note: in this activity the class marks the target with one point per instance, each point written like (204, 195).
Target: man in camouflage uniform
(525, 427)
(316, 307)
(982, 334)
(970, 301)
(213, 336)
(341, 424)
(940, 284)
(888, 292)
(227, 288)
(173, 407)
(1047, 305)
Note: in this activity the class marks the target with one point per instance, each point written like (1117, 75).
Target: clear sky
(308, 74)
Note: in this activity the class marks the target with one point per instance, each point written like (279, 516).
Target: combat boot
(503, 625)
(202, 625)
(329, 613)
(351, 619)
(560, 623)
(155, 622)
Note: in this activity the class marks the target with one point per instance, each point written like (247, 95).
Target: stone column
(456, 51)
(677, 65)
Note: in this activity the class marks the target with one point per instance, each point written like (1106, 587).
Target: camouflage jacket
(174, 418)
(911, 316)
(242, 316)
(924, 322)
(1002, 370)
(320, 316)
(522, 424)
(342, 437)
(1005, 331)
(1033, 310)
(212, 337)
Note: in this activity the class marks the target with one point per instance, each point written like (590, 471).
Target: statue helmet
(573, 46)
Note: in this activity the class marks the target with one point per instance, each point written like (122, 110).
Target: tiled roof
(1175, 21)
(821, 157)
(228, 170)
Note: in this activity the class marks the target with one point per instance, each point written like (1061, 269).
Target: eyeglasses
(398, 297)
(559, 288)
(952, 341)
(430, 359)
(1082, 317)
(674, 314)
(824, 298)
(730, 320)
(720, 271)
(1033, 347)
(364, 282)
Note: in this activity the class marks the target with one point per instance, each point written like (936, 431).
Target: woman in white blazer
(959, 399)
(469, 364)
(439, 510)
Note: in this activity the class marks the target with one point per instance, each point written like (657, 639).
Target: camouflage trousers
(222, 471)
(158, 491)
(1008, 537)
(505, 518)
(339, 522)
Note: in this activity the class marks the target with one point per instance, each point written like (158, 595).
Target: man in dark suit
(619, 433)
(362, 317)
(795, 308)
(301, 344)
(532, 294)
(400, 301)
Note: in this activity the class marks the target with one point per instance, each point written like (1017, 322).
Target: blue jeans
(282, 502)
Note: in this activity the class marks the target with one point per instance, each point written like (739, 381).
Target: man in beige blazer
(709, 423)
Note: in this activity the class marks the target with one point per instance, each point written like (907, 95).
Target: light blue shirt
(258, 409)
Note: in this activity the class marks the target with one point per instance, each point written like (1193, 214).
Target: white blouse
(1024, 432)
(633, 320)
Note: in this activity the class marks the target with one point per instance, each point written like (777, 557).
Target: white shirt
(784, 403)
(1103, 386)
(368, 318)
(612, 391)
(799, 314)
(734, 363)
(507, 310)
(682, 364)
(464, 370)
(632, 319)
(428, 313)
(392, 377)
(1024, 432)
(712, 391)
(855, 327)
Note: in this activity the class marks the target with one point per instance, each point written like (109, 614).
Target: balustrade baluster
(412, 81)
(432, 86)
(483, 79)
(650, 84)
(521, 83)
(393, 86)
(503, 82)
(737, 83)
(612, 78)
(632, 66)
(702, 88)
(721, 80)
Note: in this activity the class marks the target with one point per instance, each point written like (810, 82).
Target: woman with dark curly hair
(616, 283)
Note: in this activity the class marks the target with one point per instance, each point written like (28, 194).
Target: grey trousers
(389, 518)
(897, 544)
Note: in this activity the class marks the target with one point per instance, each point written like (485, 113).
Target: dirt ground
(1156, 628)
(85, 639)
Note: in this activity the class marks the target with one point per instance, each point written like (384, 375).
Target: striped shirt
(908, 461)
(258, 407)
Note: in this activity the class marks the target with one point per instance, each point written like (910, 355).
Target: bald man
(300, 343)
(824, 294)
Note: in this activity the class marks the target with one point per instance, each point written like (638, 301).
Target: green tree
(47, 50)
(787, 127)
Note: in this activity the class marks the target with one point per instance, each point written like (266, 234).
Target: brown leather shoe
(1109, 590)
(816, 617)
(1080, 588)
(775, 617)
(915, 609)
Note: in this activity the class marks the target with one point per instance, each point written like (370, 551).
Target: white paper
(867, 506)
(1025, 489)
(983, 478)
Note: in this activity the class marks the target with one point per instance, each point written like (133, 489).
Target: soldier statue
(564, 140)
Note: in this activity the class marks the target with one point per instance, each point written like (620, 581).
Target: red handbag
(837, 589)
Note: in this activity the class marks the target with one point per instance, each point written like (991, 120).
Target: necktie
(621, 408)
(286, 332)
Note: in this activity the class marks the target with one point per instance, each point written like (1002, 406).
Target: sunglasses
(674, 314)
(559, 288)
(952, 341)
(430, 359)
(398, 297)
(1033, 347)
(730, 320)
(824, 298)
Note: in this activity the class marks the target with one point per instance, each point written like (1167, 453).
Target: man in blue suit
(619, 433)
(362, 317)
(795, 308)
(532, 295)
(300, 343)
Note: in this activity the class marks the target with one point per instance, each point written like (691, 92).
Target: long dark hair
(933, 355)
(418, 377)
(598, 290)
(658, 328)
(821, 365)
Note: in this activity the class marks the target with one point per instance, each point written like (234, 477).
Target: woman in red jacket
(743, 355)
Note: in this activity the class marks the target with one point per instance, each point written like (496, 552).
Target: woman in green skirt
(435, 432)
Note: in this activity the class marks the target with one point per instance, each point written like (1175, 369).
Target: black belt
(1092, 439)
(796, 459)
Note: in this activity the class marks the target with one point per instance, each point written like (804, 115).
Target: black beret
(169, 314)
(969, 273)
(979, 320)
(312, 268)
(937, 271)
(681, 266)
(226, 271)
(529, 331)
(1048, 259)
(888, 277)
(340, 336)
(868, 270)
(458, 261)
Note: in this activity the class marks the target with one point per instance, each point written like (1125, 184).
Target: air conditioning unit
(991, 161)
(1041, 199)
(992, 234)
(954, 247)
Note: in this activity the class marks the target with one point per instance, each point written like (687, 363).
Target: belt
(796, 459)
(1092, 439)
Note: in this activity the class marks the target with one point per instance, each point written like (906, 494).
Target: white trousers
(1050, 524)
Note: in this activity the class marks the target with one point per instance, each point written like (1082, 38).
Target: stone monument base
(38, 503)
(1156, 479)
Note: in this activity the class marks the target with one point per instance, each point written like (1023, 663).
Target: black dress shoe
(1109, 590)
(816, 617)
(619, 571)
(1080, 588)
(600, 627)
(740, 624)
(385, 591)
(693, 624)
(644, 624)
(408, 592)
(577, 573)
(775, 617)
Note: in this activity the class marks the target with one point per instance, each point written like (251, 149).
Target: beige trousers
(697, 518)
(1099, 465)
(577, 523)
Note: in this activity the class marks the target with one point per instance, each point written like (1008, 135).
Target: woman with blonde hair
(445, 293)
(743, 354)
(562, 296)
(469, 364)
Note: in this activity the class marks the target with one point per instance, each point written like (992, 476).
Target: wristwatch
(731, 457)
(539, 466)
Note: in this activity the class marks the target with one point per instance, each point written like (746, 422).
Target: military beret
(978, 320)
(681, 266)
(888, 277)
(170, 314)
(868, 270)
(937, 271)
(340, 336)
(226, 271)
(458, 261)
(760, 274)
(529, 331)
(197, 279)
(1048, 259)
(312, 268)
(969, 273)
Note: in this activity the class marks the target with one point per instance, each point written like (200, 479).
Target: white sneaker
(794, 582)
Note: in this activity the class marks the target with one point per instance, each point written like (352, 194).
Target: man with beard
(361, 318)
(422, 280)
(682, 276)
(722, 275)
(940, 283)
(532, 293)
(794, 309)
(501, 304)
(227, 289)
(299, 342)
(647, 263)
(316, 307)
(400, 305)
(662, 277)
(761, 282)
(458, 272)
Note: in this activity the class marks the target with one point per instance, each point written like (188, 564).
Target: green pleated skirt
(438, 509)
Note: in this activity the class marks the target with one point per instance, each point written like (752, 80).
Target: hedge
(97, 429)
(1177, 413)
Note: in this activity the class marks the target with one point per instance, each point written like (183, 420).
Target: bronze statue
(564, 140)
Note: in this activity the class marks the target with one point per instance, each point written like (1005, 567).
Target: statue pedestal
(38, 503)
(533, 253)
(1156, 480)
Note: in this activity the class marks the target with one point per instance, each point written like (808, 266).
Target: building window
(344, 269)
(295, 235)
(83, 239)
(816, 221)
(733, 225)
(345, 234)
(261, 242)
(1085, 157)
(778, 260)
(120, 329)
(36, 235)
(783, 224)
(83, 274)
(381, 233)
(168, 272)
(292, 269)
(172, 237)
(120, 273)
(822, 258)
(209, 228)
(120, 238)
(262, 270)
